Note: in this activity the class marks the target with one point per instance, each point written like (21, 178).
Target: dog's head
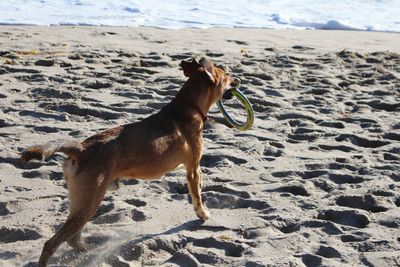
(216, 78)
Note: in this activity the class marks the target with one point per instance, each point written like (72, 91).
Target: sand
(315, 181)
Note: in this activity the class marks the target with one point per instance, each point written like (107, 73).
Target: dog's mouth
(235, 84)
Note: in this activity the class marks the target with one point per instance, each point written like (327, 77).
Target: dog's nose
(235, 82)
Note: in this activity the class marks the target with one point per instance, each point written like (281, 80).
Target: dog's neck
(195, 94)
(181, 99)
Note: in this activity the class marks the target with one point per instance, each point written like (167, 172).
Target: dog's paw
(203, 214)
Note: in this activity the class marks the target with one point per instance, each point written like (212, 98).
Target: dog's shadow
(100, 247)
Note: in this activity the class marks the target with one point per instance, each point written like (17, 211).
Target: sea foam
(371, 15)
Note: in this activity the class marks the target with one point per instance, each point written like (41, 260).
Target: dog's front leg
(194, 184)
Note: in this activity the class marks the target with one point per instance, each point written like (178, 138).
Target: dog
(146, 149)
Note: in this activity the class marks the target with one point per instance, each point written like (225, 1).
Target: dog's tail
(42, 152)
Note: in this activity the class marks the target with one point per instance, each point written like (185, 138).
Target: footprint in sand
(16, 162)
(365, 202)
(289, 225)
(136, 202)
(324, 185)
(342, 148)
(3, 209)
(216, 200)
(226, 190)
(352, 218)
(111, 218)
(272, 153)
(302, 47)
(43, 93)
(177, 188)
(214, 54)
(239, 42)
(75, 57)
(6, 255)
(138, 215)
(45, 175)
(32, 78)
(147, 63)
(331, 124)
(42, 116)
(96, 84)
(386, 106)
(295, 189)
(144, 249)
(78, 110)
(374, 246)
(181, 56)
(120, 216)
(213, 160)
(339, 178)
(230, 248)
(361, 141)
(328, 252)
(103, 209)
(183, 257)
(390, 221)
(8, 69)
(355, 237)
(45, 62)
(311, 260)
(10, 235)
(46, 129)
(138, 70)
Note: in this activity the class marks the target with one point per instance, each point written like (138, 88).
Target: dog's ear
(208, 66)
(189, 67)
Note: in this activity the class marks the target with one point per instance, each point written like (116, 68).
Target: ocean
(362, 15)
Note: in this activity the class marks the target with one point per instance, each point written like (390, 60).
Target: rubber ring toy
(246, 104)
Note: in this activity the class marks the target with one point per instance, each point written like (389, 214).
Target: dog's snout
(235, 82)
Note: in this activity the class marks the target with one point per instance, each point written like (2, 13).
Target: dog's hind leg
(194, 183)
(84, 197)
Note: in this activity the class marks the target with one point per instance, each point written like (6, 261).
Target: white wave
(367, 15)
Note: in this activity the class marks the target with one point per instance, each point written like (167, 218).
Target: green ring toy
(247, 105)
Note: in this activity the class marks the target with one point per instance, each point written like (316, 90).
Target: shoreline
(190, 28)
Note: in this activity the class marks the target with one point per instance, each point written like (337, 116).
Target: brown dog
(146, 149)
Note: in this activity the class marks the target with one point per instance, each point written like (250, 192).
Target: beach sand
(315, 181)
